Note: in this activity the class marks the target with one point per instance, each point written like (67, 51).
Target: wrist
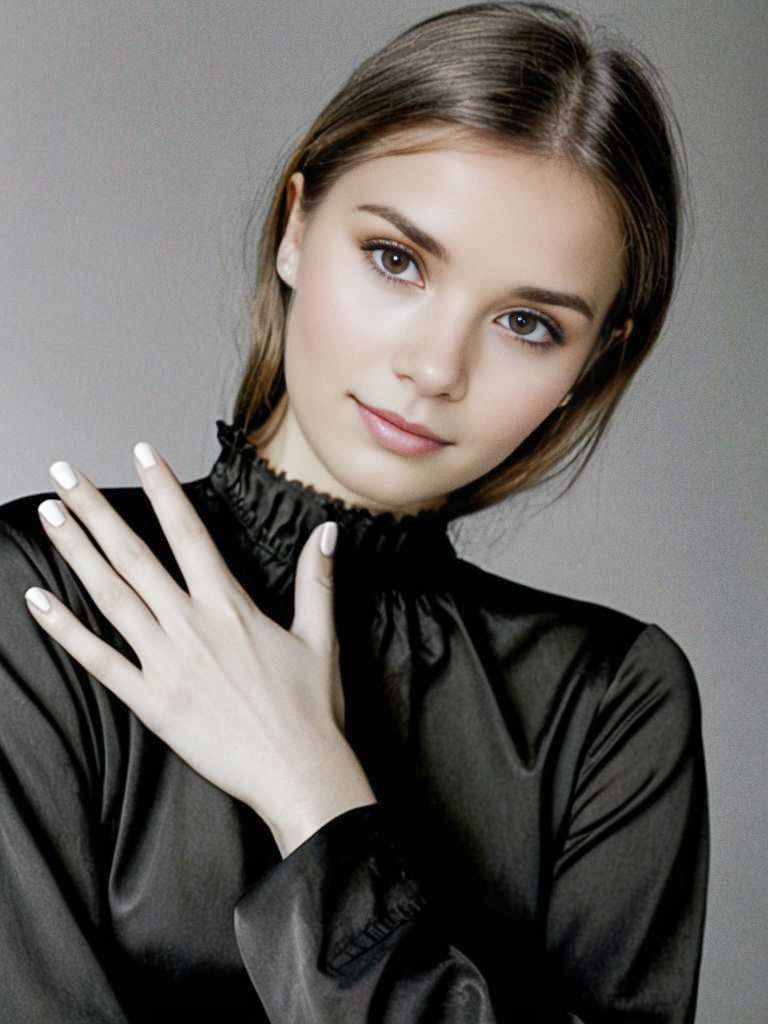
(294, 829)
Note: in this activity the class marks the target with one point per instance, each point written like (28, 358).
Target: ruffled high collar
(279, 514)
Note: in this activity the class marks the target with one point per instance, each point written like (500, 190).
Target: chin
(365, 483)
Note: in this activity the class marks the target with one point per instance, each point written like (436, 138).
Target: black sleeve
(53, 946)
(341, 931)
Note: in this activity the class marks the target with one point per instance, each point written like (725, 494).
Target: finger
(313, 596)
(103, 662)
(199, 559)
(128, 554)
(111, 594)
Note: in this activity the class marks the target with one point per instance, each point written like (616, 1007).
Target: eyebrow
(420, 237)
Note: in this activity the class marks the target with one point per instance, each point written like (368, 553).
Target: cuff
(336, 903)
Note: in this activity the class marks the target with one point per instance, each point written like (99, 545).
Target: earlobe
(285, 265)
(623, 332)
(287, 253)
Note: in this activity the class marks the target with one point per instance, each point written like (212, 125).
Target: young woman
(248, 777)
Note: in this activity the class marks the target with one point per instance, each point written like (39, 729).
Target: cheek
(513, 400)
(335, 321)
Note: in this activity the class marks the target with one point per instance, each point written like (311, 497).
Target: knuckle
(234, 609)
(109, 596)
(189, 529)
(130, 553)
(68, 542)
(99, 664)
(325, 584)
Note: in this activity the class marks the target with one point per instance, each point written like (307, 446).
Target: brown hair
(539, 78)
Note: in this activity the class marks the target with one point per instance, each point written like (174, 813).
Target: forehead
(434, 145)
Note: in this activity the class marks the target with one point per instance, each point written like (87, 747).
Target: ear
(290, 245)
(617, 335)
(623, 332)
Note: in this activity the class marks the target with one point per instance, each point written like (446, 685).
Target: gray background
(134, 136)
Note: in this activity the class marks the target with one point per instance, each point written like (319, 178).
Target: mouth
(402, 424)
(385, 427)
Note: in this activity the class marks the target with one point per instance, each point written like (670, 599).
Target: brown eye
(524, 322)
(390, 261)
(394, 261)
(524, 325)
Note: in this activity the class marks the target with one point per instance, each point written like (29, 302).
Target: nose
(435, 358)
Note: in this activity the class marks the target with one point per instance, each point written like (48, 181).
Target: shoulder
(42, 687)
(48, 704)
(619, 656)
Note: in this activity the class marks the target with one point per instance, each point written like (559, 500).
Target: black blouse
(538, 851)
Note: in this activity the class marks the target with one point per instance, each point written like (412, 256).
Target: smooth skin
(449, 342)
(278, 746)
(257, 709)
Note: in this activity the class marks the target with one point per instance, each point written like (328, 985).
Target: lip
(397, 438)
(412, 428)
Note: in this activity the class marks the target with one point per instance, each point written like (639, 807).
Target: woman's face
(466, 298)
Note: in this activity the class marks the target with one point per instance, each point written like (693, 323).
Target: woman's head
(537, 158)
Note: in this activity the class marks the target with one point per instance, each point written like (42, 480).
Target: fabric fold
(538, 850)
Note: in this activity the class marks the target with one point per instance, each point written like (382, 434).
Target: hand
(256, 709)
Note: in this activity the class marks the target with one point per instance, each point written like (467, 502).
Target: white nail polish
(328, 536)
(63, 475)
(38, 598)
(51, 511)
(144, 454)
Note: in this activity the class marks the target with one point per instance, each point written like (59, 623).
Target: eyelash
(374, 244)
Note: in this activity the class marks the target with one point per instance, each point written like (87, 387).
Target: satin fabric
(538, 850)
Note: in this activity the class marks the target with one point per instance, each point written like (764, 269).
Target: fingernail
(52, 511)
(38, 598)
(63, 475)
(328, 536)
(144, 454)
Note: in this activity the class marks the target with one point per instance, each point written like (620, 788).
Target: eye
(394, 262)
(397, 259)
(527, 326)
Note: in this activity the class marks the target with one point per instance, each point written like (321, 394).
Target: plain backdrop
(134, 138)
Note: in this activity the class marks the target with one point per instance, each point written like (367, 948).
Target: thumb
(313, 594)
